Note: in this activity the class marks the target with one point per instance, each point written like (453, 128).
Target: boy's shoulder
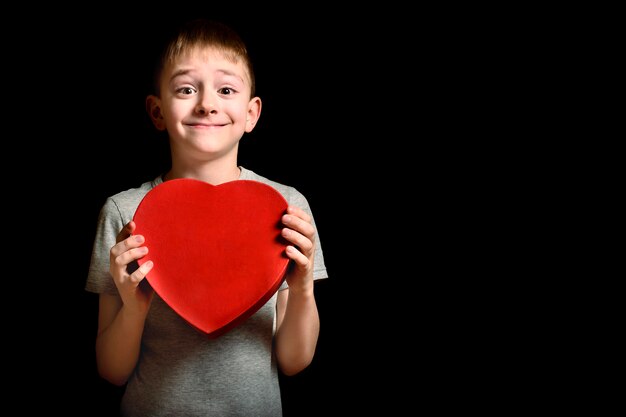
(129, 199)
(287, 191)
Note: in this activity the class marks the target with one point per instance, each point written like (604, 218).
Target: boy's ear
(153, 107)
(254, 112)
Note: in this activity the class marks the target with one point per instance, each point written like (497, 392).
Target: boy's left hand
(300, 233)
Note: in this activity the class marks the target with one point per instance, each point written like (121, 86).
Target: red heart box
(217, 250)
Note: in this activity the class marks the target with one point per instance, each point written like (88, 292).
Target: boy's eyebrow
(184, 71)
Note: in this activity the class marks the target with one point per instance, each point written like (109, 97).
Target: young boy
(205, 100)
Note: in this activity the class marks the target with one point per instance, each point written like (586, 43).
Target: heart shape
(217, 250)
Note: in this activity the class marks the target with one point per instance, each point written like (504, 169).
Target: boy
(205, 100)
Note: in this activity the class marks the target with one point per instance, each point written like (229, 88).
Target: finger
(299, 225)
(297, 211)
(125, 258)
(127, 244)
(302, 242)
(126, 231)
(298, 257)
(141, 272)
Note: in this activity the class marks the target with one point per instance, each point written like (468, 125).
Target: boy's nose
(205, 106)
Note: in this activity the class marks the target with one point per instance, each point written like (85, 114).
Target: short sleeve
(295, 198)
(110, 222)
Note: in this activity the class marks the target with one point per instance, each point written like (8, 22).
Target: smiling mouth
(204, 126)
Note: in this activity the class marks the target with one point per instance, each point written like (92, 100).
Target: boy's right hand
(126, 251)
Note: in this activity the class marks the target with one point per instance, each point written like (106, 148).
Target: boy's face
(205, 103)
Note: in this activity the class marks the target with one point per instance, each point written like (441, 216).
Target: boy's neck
(212, 175)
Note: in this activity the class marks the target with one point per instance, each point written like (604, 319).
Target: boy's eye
(186, 90)
(226, 90)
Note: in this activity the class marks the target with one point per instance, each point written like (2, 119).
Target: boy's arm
(118, 340)
(297, 322)
(298, 327)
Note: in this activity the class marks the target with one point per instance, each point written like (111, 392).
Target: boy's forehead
(210, 57)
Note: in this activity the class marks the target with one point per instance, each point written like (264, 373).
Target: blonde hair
(205, 33)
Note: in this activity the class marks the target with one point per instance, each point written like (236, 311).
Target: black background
(356, 115)
(413, 135)
(86, 136)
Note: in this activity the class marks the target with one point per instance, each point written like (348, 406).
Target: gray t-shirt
(182, 372)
